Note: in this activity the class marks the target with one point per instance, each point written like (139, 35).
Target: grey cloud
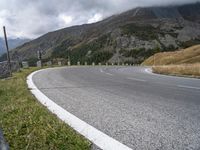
(33, 18)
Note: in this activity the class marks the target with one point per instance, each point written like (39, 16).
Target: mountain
(13, 43)
(131, 36)
(189, 55)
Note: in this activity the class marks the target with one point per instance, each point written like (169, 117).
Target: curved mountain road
(137, 108)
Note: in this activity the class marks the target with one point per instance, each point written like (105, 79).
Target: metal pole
(8, 54)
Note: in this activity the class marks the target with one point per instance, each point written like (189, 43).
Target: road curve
(139, 109)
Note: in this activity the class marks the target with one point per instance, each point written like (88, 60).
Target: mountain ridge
(127, 37)
(13, 43)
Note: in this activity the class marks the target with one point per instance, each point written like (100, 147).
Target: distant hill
(131, 36)
(13, 43)
(185, 56)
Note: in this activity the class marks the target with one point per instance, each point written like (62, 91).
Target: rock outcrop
(4, 68)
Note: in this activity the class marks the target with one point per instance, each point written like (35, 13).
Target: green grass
(29, 125)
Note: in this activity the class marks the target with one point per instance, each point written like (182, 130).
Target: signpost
(8, 54)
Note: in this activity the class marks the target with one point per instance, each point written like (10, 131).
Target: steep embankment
(184, 56)
(184, 62)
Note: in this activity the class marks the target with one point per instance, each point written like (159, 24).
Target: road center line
(109, 74)
(101, 70)
(189, 87)
(135, 79)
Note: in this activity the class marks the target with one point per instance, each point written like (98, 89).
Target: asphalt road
(139, 109)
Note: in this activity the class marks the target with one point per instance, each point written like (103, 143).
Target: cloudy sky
(32, 18)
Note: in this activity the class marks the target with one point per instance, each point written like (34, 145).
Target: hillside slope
(185, 56)
(13, 43)
(131, 36)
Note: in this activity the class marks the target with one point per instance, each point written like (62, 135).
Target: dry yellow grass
(185, 62)
(192, 70)
(185, 56)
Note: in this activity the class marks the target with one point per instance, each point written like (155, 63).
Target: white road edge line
(149, 71)
(99, 138)
(135, 79)
(188, 87)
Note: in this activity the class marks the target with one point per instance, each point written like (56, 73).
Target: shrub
(98, 57)
(143, 32)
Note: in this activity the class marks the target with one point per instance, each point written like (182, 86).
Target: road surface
(139, 109)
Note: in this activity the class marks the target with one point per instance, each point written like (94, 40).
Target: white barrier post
(25, 64)
(59, 63)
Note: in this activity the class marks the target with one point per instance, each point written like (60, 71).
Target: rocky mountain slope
(131, 36)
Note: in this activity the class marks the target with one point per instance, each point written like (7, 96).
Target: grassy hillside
(185, 56)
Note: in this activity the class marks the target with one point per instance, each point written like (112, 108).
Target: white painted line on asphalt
(189, 87)
(99, 138)
(101, 70)
(148, 70)
(135, 79)
(109, 74)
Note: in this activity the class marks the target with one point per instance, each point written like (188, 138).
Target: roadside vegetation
(185, 56)
(182, 62)
(29, 125)
(87, 52)
(192, 70)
